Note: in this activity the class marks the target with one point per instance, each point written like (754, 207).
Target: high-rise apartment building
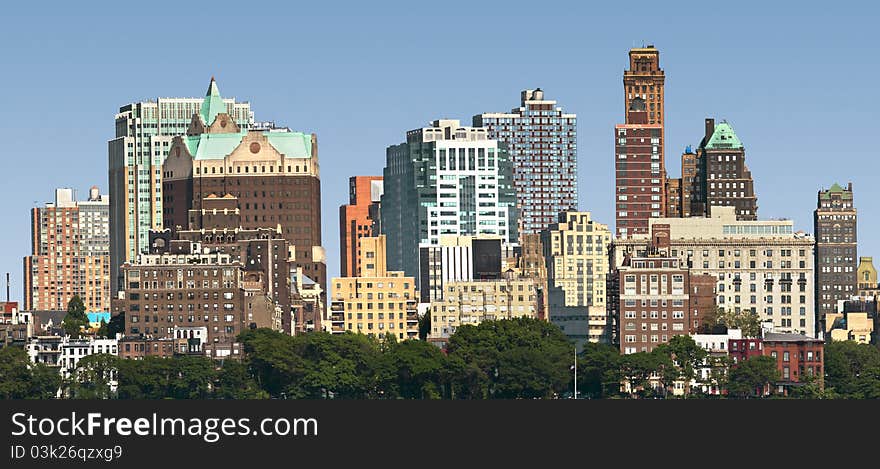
(356, 221)
(542, 142)
(639, 171)
(70, 253)
(658, 300)
(690, 175)
(445, 180)
(721, 177)
(835, 225)
(761, 266)
(272, 172)
(191, 287)
(673, 197)
(384, 303)
(576, 254)
(143, 138)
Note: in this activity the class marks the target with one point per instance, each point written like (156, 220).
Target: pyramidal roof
(723, 137)
(213, 103)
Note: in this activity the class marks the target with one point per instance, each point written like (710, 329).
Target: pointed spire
(212, 88)
(213, 103)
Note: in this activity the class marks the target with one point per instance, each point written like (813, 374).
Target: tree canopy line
(504, 359)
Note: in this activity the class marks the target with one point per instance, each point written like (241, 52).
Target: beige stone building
(763, 266)
(855, 326)
(867, 279)
(576, 255)
(475, 301)
(385, 302)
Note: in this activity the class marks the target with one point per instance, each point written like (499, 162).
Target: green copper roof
(291, 144)
(838, 189)
(724, 137)
(213, 103)
(218, 146)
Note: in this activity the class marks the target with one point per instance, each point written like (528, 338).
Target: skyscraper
(70, 253)
(576, 254)
(143, 137)
(640, 159)
(356, 221)
(446, 179)
(645, 80)
(273, 172)
(723, 179)
(639, 172)
(542, 142)
(835, 227)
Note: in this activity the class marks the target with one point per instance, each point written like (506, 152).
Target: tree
(415, 370)
(116, 325)
(75, 319)
(687, 356)
(511, 358)
(94, 377)
(636, 369)
(750, 377)
(103, 329)
(852, 370)
(719, 320)
(599, 370)
(425, 325)
(21, 379)
(234, 381)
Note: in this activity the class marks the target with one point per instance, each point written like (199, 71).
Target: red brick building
(640, 174)
(356, 220)
(797, 358)
(657, 299)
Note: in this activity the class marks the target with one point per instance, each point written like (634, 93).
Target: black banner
(214, 433)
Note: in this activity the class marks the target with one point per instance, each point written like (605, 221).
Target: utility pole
(575, 372)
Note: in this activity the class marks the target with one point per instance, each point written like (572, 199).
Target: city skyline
(778, 132)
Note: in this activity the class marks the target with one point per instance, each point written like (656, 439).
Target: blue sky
(796, 81)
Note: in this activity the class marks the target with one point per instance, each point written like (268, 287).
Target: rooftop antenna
(7, 287)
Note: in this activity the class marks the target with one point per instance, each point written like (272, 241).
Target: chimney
(710, 127)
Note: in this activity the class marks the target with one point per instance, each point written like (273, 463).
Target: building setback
(445, 180)
(356, 220)
(70, 249)
(144, 131)
(542, 142)
(273, 172)
(576, 256)
(835, 225)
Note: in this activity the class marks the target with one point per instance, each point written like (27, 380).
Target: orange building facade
(360, 218)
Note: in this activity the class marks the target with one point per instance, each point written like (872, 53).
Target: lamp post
(575, 372)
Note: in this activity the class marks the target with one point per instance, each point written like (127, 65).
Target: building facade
(722, 178)
(576, 256)
(445, 180)
(640, 173)
(475, 301)
(272, 172)
(144, 131)
(835, 225)
(459, 258)
(190, 286)
(386, 303)
(356, 221)
(64, 353)
(798, 357)
(542, 142)
(70, 253)
(867, 279)
(657, 300)
(762, 266)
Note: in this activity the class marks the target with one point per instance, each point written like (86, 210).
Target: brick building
(356, 221)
